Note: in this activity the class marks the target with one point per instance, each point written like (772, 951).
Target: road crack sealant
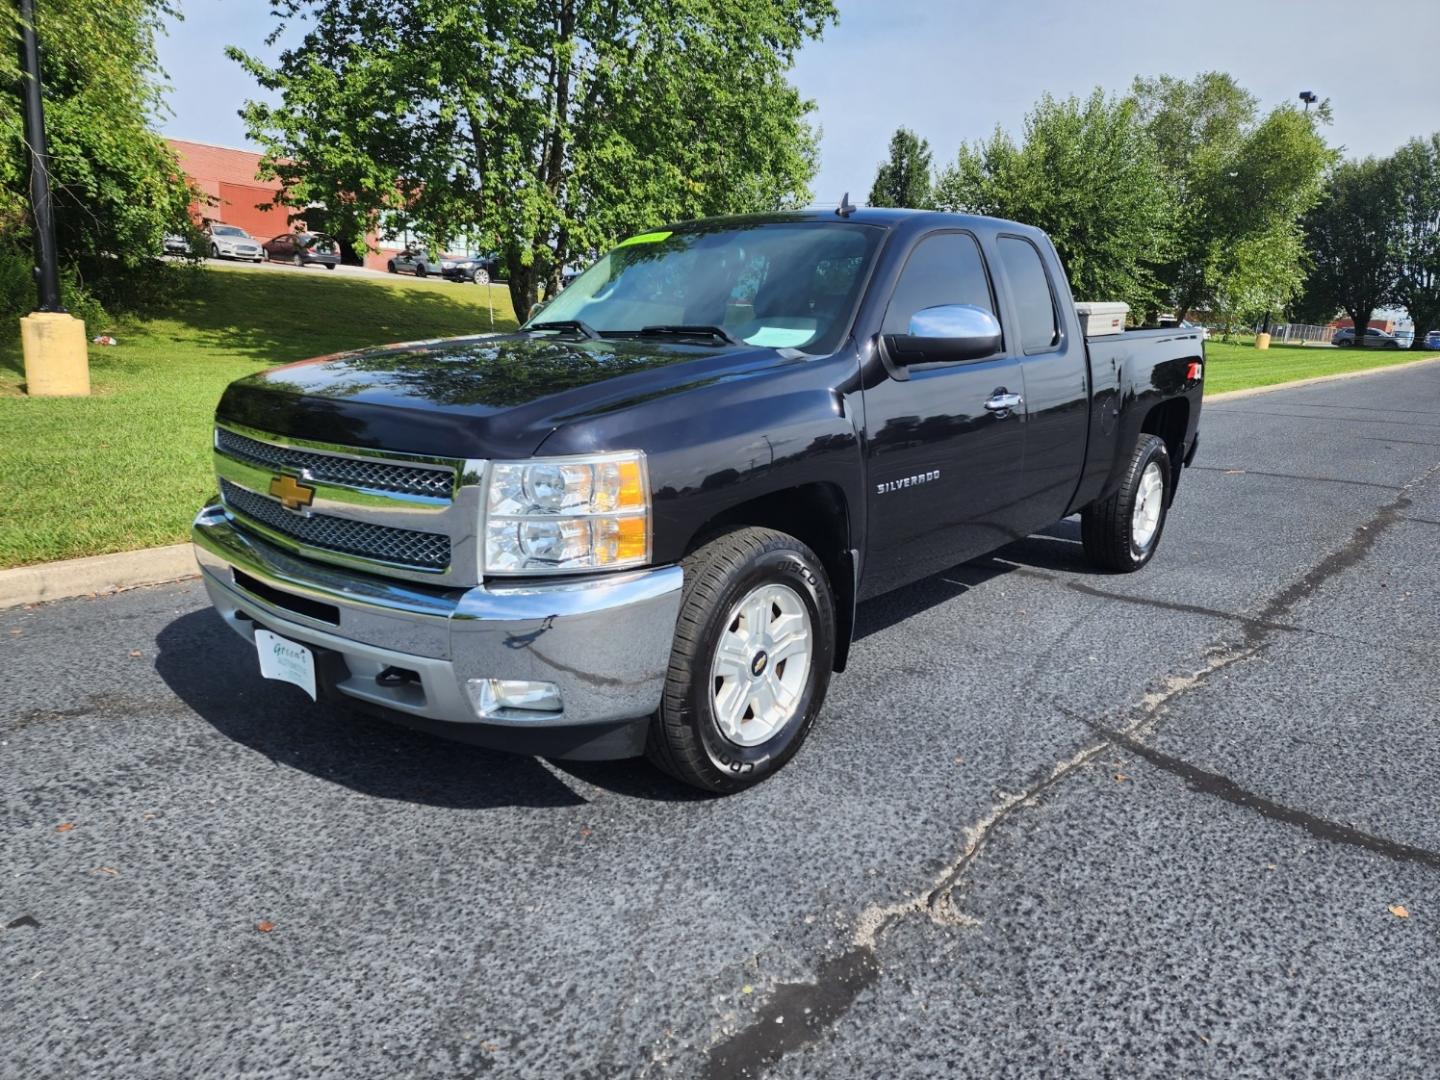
(796, 1014)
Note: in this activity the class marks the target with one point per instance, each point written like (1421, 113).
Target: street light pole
(47, 271)
(53, 341)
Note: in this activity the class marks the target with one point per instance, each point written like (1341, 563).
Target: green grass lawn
(128, 466)
(1239, 366)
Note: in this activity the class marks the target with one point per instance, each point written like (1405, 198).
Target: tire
(481, 276)
(390, 267)
(420, 270)
(214, 251)
(768, 572)
(329, 266)
(1116, 534)
(298, 261)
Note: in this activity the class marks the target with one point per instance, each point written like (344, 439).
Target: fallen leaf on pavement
(136, 652)
(585, 830)
(65, 826)
(1120, 778)
(106, 870)
(747, 989)
(1400, 911)
(490, 1047)
(264, 926)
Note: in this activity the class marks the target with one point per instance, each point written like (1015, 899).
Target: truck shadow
(215, 673)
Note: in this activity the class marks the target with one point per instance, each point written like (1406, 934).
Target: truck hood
(478, 397)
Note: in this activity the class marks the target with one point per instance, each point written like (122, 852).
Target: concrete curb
(1252, 391)
(96, 574)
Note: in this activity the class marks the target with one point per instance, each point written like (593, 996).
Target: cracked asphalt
(1052, 823)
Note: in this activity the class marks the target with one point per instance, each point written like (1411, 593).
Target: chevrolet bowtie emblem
(291, 493)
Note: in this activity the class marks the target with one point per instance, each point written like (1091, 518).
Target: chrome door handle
(1004, 402)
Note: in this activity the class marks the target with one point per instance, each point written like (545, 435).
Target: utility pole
(53, 341)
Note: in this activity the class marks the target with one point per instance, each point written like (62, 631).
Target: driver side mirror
(947, 333)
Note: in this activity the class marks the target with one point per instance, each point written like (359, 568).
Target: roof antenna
(845, 209)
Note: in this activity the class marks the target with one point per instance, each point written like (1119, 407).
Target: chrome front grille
(397, 547)
(356, 472)
(400, 515)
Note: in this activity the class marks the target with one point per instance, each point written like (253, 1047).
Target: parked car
(1432, 339)
(475, 267)
(175, 244)
(642, 522)
(303, 249)
(1374, 339)
(230, 242)
(481, 269)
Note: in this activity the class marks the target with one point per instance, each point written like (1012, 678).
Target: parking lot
(1051, 823)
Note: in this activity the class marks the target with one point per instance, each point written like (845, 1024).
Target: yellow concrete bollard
(1262, 341)
(56, 361)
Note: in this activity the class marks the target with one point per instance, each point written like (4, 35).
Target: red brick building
(233, 193)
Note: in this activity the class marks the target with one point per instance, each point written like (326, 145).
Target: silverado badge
(291, 493)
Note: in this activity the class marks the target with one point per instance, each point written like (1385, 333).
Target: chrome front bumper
(604, 640)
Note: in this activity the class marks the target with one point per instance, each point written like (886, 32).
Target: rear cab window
(1035, 306)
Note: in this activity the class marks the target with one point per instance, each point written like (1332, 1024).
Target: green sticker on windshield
(645, 238)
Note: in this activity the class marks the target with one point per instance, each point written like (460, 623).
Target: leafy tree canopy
(903, 179)
(1415, 175)
(1087, 173)
(1241, 184)
(1352, 236)
(546, 129)
(117, 187)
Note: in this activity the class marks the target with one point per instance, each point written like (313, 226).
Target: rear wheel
(754, 645)
(298, 260)
(1122, 532)
(420, 270)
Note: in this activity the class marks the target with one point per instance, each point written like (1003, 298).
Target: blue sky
(953, 69)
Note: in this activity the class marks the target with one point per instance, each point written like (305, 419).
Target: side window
(945, 268)
(1034, 302)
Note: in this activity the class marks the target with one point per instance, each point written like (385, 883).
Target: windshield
(227, 230)
(784, 285)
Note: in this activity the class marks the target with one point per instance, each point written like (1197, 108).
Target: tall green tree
(1241, 184)
(1415, 173)
(546, 128)
(904, 178)
(117, 187)
(1086, 172)
(1352, 236)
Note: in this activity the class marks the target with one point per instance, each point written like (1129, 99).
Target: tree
(1415, 173)
(903, 180)
(1241, 185)
(1088, 174)
(1352, 235)
(118, 189)
(548, 129)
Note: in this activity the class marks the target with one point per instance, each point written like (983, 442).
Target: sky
(952, 70)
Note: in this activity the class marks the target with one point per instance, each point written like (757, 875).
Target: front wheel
(1122, 532)
(214, 251)
(390, 267)
(754, 645)
(481, 277)
(420, 270)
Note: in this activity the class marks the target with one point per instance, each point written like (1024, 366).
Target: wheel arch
(1170, 420)
(818, 515)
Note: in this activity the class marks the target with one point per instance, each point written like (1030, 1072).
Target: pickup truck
(641, 524)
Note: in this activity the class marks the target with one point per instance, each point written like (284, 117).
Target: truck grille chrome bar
(400, 547)
(353, 471)
(393, 513)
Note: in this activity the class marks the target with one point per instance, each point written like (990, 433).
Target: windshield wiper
(691, 331)
(575, 326)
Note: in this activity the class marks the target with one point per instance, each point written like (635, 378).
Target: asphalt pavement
(1052, 823)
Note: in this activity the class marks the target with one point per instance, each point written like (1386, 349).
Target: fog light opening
(496, 697)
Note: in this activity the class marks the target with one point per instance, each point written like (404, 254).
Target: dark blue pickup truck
(642, 523)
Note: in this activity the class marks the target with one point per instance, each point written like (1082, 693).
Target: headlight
(567, 515)
(447, 264)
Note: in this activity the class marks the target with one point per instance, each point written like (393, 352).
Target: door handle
(1004, 402)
